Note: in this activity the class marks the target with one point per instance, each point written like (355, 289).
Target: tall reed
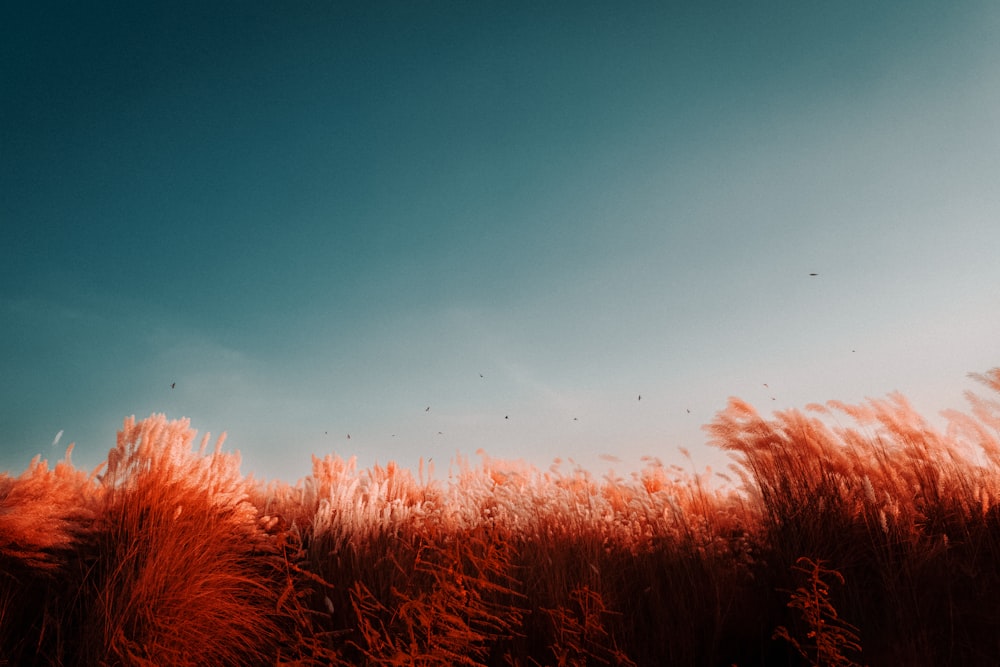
(167, 555)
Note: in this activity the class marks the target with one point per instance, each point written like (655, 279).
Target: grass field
(871, 543)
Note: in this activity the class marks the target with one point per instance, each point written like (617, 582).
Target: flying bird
(813, 274)
(173, 384)
(427, 409)
(640, 397)
(58, 435)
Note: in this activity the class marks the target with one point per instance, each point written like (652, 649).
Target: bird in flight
(640, 397)
(427, 409)
(173, 384)
(813, 274)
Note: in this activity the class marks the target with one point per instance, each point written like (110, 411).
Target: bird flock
(427, 409)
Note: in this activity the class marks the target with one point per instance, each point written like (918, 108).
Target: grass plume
(167, 555)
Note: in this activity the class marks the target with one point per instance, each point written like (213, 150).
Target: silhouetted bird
(427, 409)
(506, 417)
(813, 274)
(173, 384)
(640, 397)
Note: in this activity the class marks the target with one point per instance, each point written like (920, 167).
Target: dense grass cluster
(875, 543)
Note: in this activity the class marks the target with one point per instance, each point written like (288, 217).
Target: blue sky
(320, 219)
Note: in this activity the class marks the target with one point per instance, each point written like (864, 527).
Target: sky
(421, 229)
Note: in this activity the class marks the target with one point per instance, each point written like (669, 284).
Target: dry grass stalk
(170, 556)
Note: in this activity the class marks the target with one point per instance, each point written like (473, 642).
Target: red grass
(171, 557)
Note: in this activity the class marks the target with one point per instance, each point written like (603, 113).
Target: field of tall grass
(844, 535)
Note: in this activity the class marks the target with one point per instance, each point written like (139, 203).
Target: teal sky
(320, 219)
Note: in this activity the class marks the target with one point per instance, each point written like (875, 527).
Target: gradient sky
(320, 219)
